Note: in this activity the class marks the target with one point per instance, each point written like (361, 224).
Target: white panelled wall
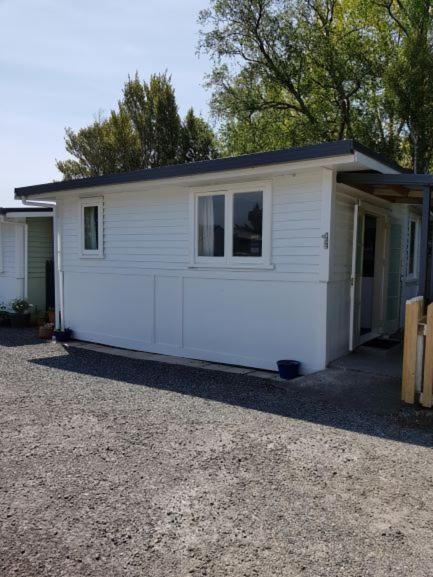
(143, 294)
(11, 261)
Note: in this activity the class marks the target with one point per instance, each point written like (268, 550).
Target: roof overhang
(21, 212)
(396, 188)
(338, 155)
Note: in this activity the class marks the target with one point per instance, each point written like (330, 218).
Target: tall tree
(153, 112)
(197, 140)
(409, 76)
(289, 72)
(145, 131)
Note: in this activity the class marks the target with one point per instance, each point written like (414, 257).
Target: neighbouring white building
(242, 260)
(26, 256)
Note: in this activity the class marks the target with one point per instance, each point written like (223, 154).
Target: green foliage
(20, 306)
(292, 72)
(145, 131)
(197, 141)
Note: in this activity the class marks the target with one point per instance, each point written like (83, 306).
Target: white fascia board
(373, 164)
(31, 214)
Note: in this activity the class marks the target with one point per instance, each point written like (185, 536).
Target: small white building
(26, 256)
(242, 260)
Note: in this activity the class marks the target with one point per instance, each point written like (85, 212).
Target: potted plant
(46, 331)
(20, 316)
(37, 317)
(51, 316)
(62, 335)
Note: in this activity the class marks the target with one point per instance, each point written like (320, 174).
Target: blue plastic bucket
(288, 369)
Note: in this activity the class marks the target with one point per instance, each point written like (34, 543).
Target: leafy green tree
(153, 112)
(107, 145)
(145, 131)
(409, 76)
(291, 72)
(197, 140)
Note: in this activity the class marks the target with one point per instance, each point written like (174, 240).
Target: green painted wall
(40, 249)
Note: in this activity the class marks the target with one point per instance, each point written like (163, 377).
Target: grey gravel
(116, 467)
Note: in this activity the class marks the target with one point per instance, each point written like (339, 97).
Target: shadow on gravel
(19, 337)
(347, 400)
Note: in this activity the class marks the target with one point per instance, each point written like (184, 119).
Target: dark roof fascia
(311, 152)
(24, 209)
(375, 179)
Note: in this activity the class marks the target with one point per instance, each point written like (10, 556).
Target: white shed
(26, 245)
(242, 260)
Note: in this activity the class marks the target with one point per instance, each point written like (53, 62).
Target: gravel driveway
(116, 467)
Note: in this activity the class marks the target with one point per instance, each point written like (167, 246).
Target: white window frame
(228, 260)
(99, 203)
(413, 275)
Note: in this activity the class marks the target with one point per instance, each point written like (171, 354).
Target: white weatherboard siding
(11, 261)
(144, 295)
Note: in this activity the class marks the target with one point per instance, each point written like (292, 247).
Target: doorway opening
(368, 275)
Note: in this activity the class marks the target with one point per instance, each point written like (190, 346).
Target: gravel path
(114, 467)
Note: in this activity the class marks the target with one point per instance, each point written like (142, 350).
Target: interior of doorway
(369, 253)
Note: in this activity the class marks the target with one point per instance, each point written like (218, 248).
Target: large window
(91, 227)
(232, 227)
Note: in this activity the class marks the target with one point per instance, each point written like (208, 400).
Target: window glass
(91, 228)
(211, 210)
(247, 224)
(412, 241)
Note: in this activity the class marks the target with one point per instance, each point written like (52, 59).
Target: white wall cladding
(11, 272)
(143, 295)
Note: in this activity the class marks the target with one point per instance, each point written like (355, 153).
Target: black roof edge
(23, 209)
(310, 152)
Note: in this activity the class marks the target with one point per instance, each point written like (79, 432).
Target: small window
(411, 261)
(91, 227)
(211, 215)
(247, 224)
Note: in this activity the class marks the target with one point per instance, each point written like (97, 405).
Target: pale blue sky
(62, 61)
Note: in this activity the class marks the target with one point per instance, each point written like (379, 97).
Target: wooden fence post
(414, 310)
(427, 391)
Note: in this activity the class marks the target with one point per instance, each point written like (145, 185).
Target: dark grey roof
(326, 149)
(24, 209)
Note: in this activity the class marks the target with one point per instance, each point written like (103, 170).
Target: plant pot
(62, 336)
(51, 317)
(19, 320)
(46, 331)
(288, 369)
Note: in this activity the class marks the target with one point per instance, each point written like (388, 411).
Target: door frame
(361, 209)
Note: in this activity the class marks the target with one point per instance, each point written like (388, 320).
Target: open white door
(356, 278)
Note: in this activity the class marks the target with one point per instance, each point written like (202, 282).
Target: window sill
(92, 256)
(235, 267)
